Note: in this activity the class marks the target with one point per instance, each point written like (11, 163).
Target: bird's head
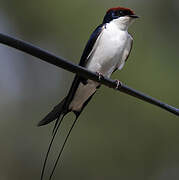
(123, 17)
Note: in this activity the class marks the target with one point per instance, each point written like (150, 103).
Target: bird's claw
(118, 84)
(100, 76)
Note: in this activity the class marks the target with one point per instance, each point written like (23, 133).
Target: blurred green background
(117, 136)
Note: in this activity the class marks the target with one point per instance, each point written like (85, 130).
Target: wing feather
(84, 58)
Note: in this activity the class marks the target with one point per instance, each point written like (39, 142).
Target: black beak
(133, 16)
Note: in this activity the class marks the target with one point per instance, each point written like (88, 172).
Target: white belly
(106, 56)
(109, 52)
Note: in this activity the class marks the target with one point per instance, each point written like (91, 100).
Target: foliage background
(117, 136)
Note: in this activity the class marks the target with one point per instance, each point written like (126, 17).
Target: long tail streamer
(50, 146)
(61, 150)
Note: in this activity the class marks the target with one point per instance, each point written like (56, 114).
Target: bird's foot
(100, 76)
(118, 84)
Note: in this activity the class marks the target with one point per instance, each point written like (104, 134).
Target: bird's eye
(119, 13)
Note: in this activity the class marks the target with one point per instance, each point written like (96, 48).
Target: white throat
(123, 23)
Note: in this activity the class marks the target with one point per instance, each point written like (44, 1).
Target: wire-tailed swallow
(106, 51)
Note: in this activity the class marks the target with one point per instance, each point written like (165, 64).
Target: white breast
(108, 54)
(108, 51)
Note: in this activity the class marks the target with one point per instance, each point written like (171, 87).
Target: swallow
(106, 51)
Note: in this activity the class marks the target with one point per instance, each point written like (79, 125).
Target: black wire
(81, 71)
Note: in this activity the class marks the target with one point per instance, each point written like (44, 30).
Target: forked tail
(61, 150)
(57, 114)
(50, 145)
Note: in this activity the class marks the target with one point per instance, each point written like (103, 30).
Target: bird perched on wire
(106, 51)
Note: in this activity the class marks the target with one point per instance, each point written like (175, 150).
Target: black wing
(89, 46)
(84, 58)
(63, 106)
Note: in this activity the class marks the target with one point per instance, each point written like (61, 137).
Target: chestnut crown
(114, 13)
